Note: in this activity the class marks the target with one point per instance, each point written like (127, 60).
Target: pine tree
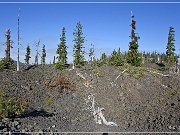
(116, 59)
(113, 57)
(43, 57)
(8, 44)
(62, 52)
(8, 62)
(79, 40)
(102, 61)
(170, 47)
(104, 57)
(133, 56)
(119, 60)
(27, 56)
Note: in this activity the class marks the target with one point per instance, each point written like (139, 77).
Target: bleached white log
(80, 75)
(97, 113)
(118, 77)
(158, 73)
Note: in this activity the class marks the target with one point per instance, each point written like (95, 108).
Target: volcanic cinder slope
(136, 99)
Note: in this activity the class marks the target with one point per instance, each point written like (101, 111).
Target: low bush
(6, 64)
(9, 107)
(61, 66)
(134, 72)
(60, 82)
(48, 101)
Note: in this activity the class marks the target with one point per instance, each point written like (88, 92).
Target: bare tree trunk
(18, 46)
(37, 53)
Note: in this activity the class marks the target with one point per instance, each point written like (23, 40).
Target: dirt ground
(135, 99)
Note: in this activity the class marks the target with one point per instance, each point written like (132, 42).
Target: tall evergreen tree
(43, 57)
(8, 45)
(170, 47)
(62, 51)
(133, 56)
(27, 56)
(79, 40)
(7, 62)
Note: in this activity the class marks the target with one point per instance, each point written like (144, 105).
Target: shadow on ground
(37, 113)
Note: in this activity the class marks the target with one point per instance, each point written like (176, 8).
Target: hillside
(94, 99)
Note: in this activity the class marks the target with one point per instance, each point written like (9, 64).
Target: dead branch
(118, 77)
(97, 112)
(158, 73)
(80, 75)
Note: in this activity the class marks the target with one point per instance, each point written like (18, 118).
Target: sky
(105, 25)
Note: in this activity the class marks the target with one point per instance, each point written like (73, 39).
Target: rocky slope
(135, 99)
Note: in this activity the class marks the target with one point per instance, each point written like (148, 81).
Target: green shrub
(103, 60)
(116, 58)
(6, 64)
(134, 72)
(163, 69)
(99, 63)
(97, 73)
(9, 107)
(48, 101)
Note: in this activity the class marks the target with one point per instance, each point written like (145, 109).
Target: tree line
(117, 58)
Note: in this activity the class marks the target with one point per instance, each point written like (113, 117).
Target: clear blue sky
(107, 26)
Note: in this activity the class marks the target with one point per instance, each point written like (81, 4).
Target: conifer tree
(119, 59)
(43, 57)
(62, 51)
(103, 60)
(27, 56)
(7, 62)
(170, 47)
(116, 59)
(133, 56)
(104, 57)
(79, 40)
(113, 57)
(8, 44)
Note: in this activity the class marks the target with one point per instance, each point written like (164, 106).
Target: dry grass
(60, 82)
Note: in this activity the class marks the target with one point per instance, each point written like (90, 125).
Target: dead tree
(37, 53)
(18, 45)
(91, 53)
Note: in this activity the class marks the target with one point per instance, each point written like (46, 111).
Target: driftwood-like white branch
(112, 83)
(80, 75)
(97, 112)
(164, 86)
(86, 83)
(158, 73)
